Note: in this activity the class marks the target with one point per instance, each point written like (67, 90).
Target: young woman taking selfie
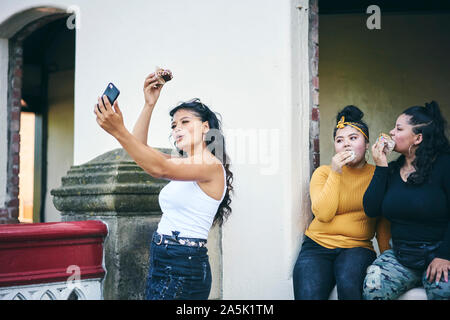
(197, 196)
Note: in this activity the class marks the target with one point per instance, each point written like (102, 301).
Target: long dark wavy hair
(215, 142)
(431, 124)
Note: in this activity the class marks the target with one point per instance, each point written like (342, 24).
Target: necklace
(404, 173)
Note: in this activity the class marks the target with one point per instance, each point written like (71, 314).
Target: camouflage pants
(387, 279)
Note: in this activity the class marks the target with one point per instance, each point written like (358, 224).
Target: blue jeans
(319, 269)
(178, 272)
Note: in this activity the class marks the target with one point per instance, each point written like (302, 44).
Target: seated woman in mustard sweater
(337, 247)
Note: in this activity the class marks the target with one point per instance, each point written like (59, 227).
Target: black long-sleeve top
(416, 212)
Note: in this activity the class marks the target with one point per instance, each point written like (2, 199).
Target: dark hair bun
(351, 114)
(355, 115)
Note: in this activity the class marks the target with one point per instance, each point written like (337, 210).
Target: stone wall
(113, 189)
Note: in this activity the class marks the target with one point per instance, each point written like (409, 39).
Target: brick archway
(14, 31)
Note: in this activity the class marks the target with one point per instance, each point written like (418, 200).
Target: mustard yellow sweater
(337, 204)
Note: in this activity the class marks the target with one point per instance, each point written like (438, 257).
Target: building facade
(254, 62)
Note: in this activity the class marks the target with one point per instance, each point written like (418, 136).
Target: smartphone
(111, 92)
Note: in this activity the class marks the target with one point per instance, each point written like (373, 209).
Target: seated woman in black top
(413, 193)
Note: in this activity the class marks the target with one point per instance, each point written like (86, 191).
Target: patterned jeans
(387, 279)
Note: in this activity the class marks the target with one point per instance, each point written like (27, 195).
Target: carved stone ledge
(114, 189)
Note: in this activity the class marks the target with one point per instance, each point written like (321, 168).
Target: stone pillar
(113, 189)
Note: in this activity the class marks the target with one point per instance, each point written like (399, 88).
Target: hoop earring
(409, 150)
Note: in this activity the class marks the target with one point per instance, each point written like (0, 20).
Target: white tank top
(188, 209)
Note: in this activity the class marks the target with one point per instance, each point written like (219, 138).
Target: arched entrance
(36, 114)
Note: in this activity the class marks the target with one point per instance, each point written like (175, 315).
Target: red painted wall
(42, 252)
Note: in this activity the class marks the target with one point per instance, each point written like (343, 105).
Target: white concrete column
(299, 214)
(262, 238)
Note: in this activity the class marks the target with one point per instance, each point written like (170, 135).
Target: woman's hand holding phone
(109, 117)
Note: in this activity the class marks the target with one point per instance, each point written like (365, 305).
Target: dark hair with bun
(352, 114)
(429, 122)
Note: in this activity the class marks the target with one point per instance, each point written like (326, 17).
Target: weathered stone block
(113, 189)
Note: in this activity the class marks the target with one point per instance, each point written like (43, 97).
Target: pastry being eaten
(352, 156)
(163, 75)
(389, 143)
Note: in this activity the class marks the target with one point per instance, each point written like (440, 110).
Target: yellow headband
(341, 124)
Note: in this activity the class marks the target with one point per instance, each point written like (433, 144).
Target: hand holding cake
(389, 143)
(154, 83)
(382, 147)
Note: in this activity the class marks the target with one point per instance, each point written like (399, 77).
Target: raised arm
(140, 130)
(158, 166)
(324, 193)
(374, 195)
(149, 159)
(152, 91)
(324, 187)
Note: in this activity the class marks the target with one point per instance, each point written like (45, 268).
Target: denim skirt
(178, 272)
